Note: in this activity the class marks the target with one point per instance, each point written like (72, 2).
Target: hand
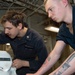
(17, 63)
(30, 74)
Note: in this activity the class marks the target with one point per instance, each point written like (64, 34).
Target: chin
(12, 37)
(58, 21)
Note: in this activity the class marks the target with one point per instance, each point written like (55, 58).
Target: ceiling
(23, 5)
(34, 6)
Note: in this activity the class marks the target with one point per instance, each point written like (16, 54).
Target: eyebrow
(45, 2)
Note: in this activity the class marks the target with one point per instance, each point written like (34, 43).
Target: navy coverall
(30, 46)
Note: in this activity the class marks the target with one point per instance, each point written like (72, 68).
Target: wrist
(38, 73)
(25, 63)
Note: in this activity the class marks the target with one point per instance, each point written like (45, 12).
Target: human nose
(50, 15)
(6, 31)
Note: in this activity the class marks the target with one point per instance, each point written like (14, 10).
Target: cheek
(14, 32)
(59, 12)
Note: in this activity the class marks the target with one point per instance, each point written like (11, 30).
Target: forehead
(8, 24)
(45, 1)
(49, 4)
(51, 1)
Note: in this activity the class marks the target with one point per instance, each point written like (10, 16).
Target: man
(28, 47)
(61, 11)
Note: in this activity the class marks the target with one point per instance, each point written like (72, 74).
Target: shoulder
(34, 33)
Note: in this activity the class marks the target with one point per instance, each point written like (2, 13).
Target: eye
(8, 28)
(50, 9)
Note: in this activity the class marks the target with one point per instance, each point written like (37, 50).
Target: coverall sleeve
(41, 55)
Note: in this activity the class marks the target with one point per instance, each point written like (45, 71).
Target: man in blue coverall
(26, 43)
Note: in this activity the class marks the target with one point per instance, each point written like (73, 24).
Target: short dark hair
(45, 2)
(14, 17)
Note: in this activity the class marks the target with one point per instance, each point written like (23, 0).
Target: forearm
(50, 61)
(67, 68)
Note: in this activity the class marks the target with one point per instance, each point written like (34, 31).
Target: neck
(68, 16)
(70, 28)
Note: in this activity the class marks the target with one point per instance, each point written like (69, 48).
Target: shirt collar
(28, 34)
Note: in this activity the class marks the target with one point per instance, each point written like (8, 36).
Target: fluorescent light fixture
(74, 1)
(7, 44)
(51, 28)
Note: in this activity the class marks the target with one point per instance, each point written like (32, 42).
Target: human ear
(65, 2)
(20, 26)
